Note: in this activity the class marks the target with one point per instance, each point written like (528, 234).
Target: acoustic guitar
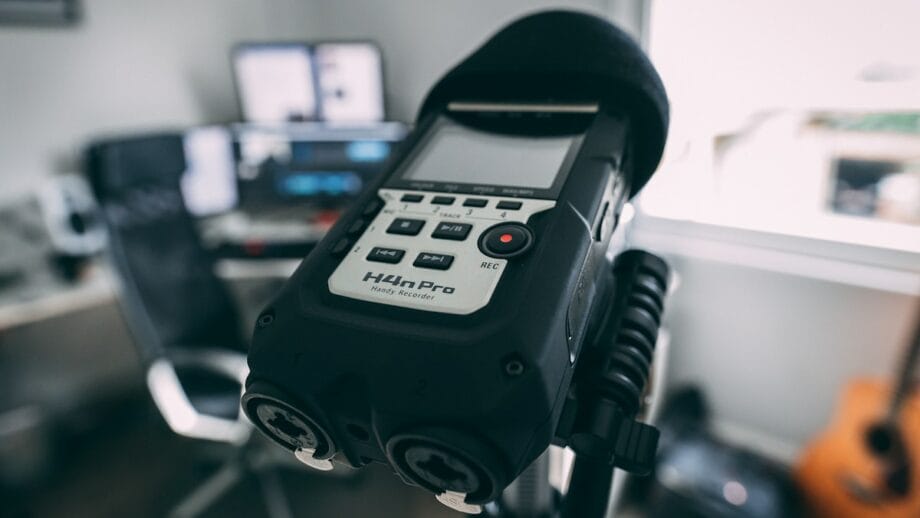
(867, 463)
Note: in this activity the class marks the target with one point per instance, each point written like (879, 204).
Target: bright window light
(790, 117)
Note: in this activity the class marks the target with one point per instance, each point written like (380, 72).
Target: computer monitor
(350, 82)
(276, 82)
(209, 184)
(317, 163)
(334, 82)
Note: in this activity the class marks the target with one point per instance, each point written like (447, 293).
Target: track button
(385, 255)
(475, 202)
(508, 205)
(443, 200)
(433, 261)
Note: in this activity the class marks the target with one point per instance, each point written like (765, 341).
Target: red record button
(506, 240)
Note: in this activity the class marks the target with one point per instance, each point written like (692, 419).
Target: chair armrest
(173, 402)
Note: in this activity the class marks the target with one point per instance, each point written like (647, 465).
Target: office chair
(181, 315)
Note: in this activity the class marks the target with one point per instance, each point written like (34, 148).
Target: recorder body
(438, 325)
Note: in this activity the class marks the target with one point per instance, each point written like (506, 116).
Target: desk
(47, 298)
(255, 269)
(65, 347)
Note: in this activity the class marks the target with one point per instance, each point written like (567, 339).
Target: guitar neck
(907, 374)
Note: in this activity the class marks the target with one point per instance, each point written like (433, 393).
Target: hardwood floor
(135, 467)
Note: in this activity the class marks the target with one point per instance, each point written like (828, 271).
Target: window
(797, 118)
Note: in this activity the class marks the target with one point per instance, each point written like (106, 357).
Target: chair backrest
(170, 294)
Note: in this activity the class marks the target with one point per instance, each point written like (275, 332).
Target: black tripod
(598, 421)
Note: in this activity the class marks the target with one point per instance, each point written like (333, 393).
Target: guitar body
(840, 458)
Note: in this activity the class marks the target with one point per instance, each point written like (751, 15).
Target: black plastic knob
(635, 447)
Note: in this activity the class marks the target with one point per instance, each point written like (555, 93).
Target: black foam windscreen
(566, 56)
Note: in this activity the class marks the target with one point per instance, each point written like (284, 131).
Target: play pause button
(385, 255)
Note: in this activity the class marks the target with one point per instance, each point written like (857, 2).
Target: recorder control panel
(433, 251)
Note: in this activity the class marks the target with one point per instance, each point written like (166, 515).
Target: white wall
(772, 350)
(773, 327)
(129, 64)
(146, 64)
(420, 39)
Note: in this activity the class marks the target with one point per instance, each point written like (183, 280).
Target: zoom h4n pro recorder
(440, 324)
